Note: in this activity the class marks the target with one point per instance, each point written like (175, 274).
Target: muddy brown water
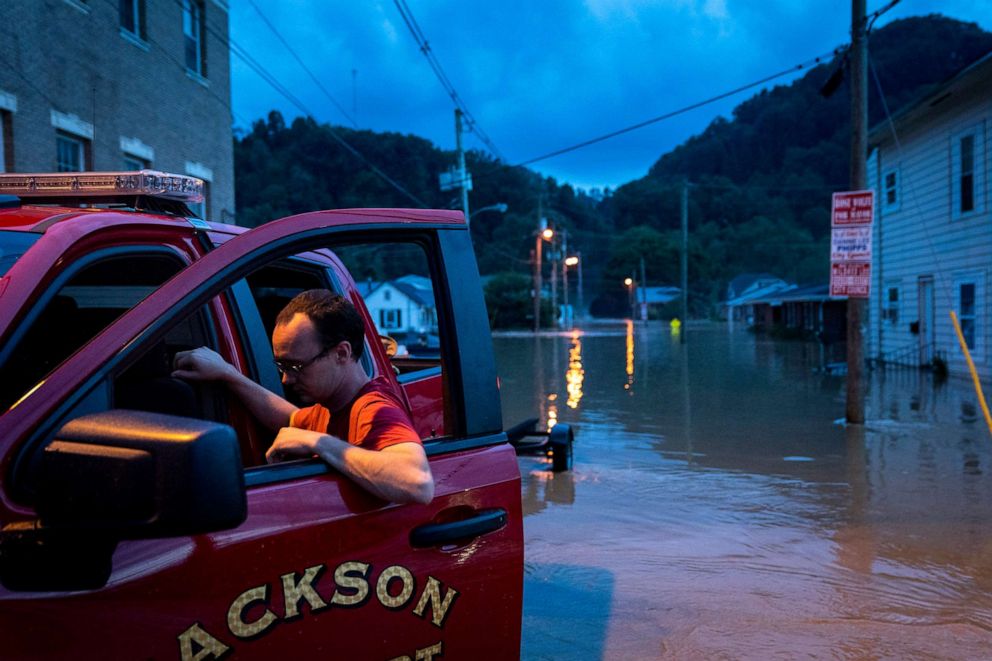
(717, 510)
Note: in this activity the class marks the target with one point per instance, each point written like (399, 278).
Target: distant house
(746, 298)
(401, 307)
(806, 311)
(932, 236)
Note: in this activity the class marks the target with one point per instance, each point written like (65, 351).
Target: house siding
(923, 235)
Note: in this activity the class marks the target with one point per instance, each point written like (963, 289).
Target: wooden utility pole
(858, 63)
(462, 172)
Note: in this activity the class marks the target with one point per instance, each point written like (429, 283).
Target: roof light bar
(104, 184)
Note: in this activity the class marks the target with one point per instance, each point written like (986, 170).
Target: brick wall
(72, 57)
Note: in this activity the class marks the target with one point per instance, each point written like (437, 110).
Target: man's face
(312, 371)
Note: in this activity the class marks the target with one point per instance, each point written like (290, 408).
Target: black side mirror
(121, 475)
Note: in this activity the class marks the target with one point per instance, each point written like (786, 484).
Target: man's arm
(204, 364)
(399, 473)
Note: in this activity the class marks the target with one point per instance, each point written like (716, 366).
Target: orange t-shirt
(373, 420)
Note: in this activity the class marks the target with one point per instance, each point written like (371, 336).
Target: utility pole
(554, 285)
(565, 317)
(462, 172)
(537, 266)
(644, 292)
(684, 266)
(858, 63)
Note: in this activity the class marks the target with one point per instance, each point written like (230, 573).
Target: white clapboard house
(932, 241)
(401, 307)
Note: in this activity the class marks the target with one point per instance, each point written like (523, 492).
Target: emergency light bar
(150, 183)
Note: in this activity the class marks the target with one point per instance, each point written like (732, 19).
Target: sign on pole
(851, 218)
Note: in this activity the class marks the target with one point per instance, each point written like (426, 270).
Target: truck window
(84, 300)
(397, 285)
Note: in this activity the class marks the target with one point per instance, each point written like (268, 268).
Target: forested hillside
(760, 181)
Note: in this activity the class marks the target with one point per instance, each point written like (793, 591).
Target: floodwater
(718, 510)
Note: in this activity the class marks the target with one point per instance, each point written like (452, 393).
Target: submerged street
(718, 510)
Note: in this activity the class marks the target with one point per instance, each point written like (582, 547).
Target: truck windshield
(12, 246)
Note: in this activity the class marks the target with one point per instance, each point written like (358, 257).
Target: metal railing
(914, 355)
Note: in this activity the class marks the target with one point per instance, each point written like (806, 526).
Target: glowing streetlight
(628, 281)
(548, 234)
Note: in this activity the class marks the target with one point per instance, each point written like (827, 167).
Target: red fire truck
(138, 518)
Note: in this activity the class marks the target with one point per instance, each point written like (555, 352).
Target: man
(356, 424)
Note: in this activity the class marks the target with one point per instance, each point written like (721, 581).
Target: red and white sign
(850, 244)
(852, 208)
(852, 279)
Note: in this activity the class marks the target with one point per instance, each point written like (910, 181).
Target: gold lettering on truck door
(209, 646)
(235, 614)
(344, 578)
(293, 591)
(382, 586)
(432, 596)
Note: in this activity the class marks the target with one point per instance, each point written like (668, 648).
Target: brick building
(119, 85)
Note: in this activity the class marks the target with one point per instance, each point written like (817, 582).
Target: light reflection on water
(688, 530)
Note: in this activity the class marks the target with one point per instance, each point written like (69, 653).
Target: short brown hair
(335, 318)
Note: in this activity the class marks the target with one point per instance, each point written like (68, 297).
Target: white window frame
(890, 308)
(134, 33)
(978, 172)
(976, 316)
(896, 189)
(193, 22)
(390, 318)
(80, 148)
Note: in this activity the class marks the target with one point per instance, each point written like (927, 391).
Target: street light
(629, 283)
(545, 234)
(570, 261)
(500, 207)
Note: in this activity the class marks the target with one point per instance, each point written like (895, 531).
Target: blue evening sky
(540, 75)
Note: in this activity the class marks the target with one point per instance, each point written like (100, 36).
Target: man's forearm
(270, 409)
(399, 473)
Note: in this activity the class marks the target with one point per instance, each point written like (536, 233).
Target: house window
(890, 181)
(133, 17)
(71, 153)
(387, 295)
(967, 180)
(966, 312)
(390, 319)
(193, 37)
(892, 306)
(132, 162)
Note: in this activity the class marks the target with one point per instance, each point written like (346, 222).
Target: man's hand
(201, 364)
(292, 443)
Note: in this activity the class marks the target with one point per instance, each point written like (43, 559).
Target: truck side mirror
(121, 475)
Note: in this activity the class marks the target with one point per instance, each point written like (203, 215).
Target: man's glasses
(296, 369)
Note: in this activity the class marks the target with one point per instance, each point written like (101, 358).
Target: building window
(131, 162)
(390, 319)
(967, 180)
(890, 195)
(193, 37)
(387, 295)
(71, 153)
(966, 312)
(892, 306)
(6, 141)
(133, 17)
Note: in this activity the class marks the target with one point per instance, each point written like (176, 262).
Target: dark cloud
(540, 76)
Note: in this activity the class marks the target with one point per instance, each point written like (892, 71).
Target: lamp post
(543, 234)
(629, 283)
(569, 261)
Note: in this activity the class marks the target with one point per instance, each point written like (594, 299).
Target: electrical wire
(304, 66)
(435, 64)
(247, 58)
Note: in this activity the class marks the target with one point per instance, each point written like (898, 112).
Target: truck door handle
(433, 534)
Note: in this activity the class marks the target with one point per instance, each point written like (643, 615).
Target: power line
(304, 66)
(680, 111)
(247, 58)
(425, 48)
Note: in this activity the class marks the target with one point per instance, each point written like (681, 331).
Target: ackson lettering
(250, 614)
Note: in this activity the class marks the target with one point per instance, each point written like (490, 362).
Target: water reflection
(716, 544)
(575, 374)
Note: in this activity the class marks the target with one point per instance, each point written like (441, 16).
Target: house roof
(744, 281)
(977, 73)
(658, 294)
(761, 294)
(419, 296)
